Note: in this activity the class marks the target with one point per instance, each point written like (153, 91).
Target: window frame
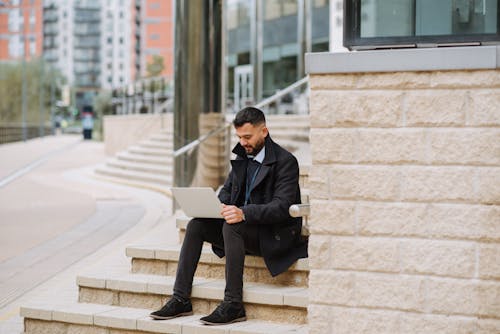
(354, 41)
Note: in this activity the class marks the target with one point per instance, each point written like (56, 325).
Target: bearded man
(256, 196)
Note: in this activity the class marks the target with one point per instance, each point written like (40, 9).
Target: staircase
(148, 164)
(119, 299)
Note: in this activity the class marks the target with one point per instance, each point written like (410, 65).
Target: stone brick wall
(405, 195)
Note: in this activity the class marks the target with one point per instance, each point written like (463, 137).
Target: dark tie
(252, 171)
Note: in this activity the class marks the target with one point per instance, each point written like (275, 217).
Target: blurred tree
(102, 107)
(11, 91)
(156, 66)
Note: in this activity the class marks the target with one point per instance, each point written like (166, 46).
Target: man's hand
(232, 214)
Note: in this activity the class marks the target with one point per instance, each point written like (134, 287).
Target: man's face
(252, 137)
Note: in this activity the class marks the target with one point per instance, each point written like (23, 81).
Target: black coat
(276, 187)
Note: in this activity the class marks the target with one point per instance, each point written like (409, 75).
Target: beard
(254, 150)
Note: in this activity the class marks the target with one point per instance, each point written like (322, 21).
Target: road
(52, 216)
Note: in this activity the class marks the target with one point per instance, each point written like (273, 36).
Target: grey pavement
(57, 221)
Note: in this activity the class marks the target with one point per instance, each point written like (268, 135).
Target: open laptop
(199, 202)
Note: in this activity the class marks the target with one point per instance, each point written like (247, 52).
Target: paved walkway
(58, 221)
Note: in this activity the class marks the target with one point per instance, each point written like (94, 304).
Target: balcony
(90, 71)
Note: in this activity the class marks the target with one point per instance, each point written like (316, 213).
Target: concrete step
(149, 159)
(163, 137)
(156, 144)
(150, 151)
(163, 260)
(262, 301)
(161, 180)
(140, 167)
(95, 318)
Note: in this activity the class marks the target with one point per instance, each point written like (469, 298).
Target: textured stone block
(474, 298)
(331, 287)
(489, 260)
(488, 326)
(391, 219)
(44, 327)
(463, 222)
(319, 319)
(153, 267)
(283, 314)
(365, 254)
(319, 182)
(332, 217)
(332, 146)
(97, 296)
(436, 108)
(394, 80)
(465, 146)
(319, 251)
(390, 291)
(139, 300)
(488, 183)
(366, 183)
(483, 110)
(436, 324)
(438, 184)
(465, 79)
(320, 102)
(443, 258)
(80, 329)
(366, 108)
(348, 321)
(392, 146)
(332, 82)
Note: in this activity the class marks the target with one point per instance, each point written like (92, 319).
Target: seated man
(262, 185)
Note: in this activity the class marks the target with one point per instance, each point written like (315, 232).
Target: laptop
(199, 202)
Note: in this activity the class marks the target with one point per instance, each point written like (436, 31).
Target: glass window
(392, 22)
(14, 21)
(32, 47)
(320, 26)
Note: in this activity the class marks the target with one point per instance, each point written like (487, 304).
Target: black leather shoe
(226, 313)
(172, 309)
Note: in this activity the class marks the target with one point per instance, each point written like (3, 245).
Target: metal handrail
(192, 145)
(279, 94)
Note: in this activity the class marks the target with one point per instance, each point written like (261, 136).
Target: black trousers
(236, 240)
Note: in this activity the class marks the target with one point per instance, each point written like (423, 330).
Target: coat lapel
(239, 168)
(269, 159)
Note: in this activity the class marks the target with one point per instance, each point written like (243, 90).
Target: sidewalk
(69, 222)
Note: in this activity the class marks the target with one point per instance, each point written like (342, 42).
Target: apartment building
(153, 36)
(20, 29)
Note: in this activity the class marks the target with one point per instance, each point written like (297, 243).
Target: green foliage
(156, 66)
(37, 91)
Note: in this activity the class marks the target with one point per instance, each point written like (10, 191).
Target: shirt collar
(260, 156)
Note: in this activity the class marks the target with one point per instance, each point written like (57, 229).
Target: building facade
(266, 42)
(89, 41)
(153, 35)
(20, 29)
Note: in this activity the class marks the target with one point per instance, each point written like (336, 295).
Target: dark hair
(250, 115)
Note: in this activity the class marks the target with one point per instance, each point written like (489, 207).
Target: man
(260, 188)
